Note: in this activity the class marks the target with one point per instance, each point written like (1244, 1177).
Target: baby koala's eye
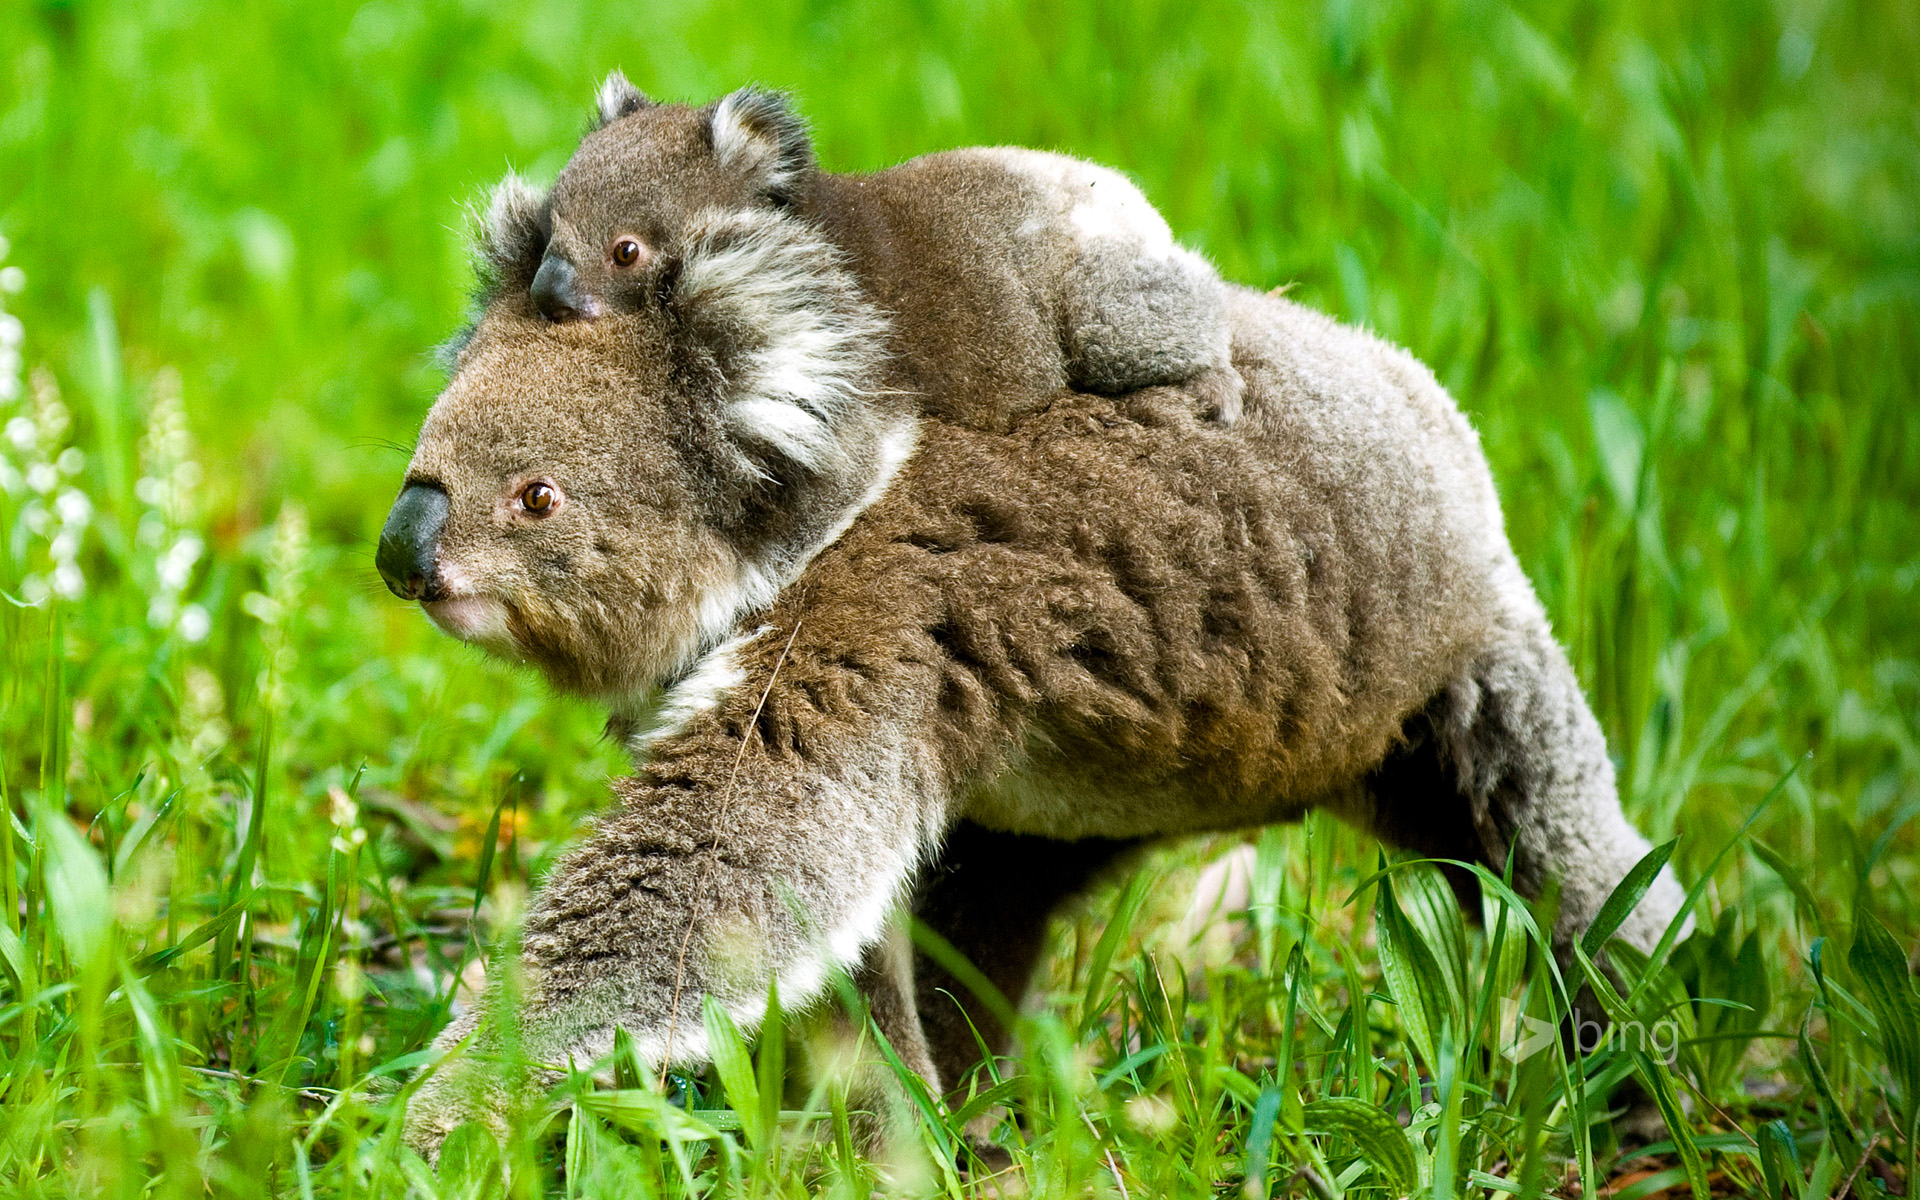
(626, 252)
(538, 498)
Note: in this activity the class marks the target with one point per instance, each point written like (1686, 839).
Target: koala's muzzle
(409, 543)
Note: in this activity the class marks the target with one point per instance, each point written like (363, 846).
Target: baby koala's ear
(617, 98)
(511, 234)
(758, 130)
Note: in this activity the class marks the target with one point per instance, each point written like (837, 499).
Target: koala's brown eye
(538, 498)
(626, 252)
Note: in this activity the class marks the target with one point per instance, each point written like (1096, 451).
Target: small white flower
(71, 460)
(11, 481)
(41, 477)
(195, 624)
(176, 565)
(12, 279)
(34, 588)
(22, 433)
(38, 520)
(74, 507)
(12, 332)
(160, 612)
(65, 545)
(68, 581)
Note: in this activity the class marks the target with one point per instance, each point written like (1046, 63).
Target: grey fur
(909, 624)
(1009, 272)
(1132, 319)
(1003, 645)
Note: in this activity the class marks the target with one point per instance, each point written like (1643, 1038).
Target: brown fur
(873, 652)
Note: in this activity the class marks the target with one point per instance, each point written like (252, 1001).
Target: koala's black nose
(410, 540)
(557, 292)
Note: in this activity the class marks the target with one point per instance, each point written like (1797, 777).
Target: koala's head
(604, 490)
(641, 174)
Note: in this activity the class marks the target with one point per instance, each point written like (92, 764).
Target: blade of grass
(437, 1014)
(728, 1050)
(1625, 897)
(1412, 975)
(224, 962)
(1125, 911)
(1378, 1137)
(1672, 932)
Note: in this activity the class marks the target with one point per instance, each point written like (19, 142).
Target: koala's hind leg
(1137, 309)
(1508, 758)
(991, 896)
(1139, 315)
(880, 1112)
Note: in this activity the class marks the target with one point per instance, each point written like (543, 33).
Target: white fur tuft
(512, 201)
(700, 690)
(742, 137)
(783, 425)
(509, 224)
(617, 98)
(817, 342)
(733, 140)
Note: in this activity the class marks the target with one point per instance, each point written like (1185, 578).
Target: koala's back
(976, 252)
(971, 338)
(1121, 619)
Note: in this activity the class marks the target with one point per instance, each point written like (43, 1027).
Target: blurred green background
(1666, 253)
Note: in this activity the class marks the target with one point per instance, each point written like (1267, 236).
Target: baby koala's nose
(409, 543)
(558, 294)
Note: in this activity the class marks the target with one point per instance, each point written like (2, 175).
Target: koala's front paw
(462, 1087)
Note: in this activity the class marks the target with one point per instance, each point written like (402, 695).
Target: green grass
(263, 820)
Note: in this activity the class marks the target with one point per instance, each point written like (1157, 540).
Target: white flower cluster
(345, 815)
(166, 490)
(37, 468)
(275, 608)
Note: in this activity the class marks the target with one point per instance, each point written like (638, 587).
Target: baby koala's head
(605, 489)
(642, 175)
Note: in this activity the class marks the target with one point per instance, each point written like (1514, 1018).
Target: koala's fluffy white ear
(758, 130)
(797, 344)
(512, 233)
(617, 98)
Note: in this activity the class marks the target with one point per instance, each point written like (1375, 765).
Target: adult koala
(913, 662)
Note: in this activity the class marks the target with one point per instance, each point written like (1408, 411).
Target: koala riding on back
(1006, 274)
(834, 491)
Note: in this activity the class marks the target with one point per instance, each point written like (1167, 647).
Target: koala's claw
(1220, 391)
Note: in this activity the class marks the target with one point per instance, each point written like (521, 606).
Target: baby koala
(1004, 274)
